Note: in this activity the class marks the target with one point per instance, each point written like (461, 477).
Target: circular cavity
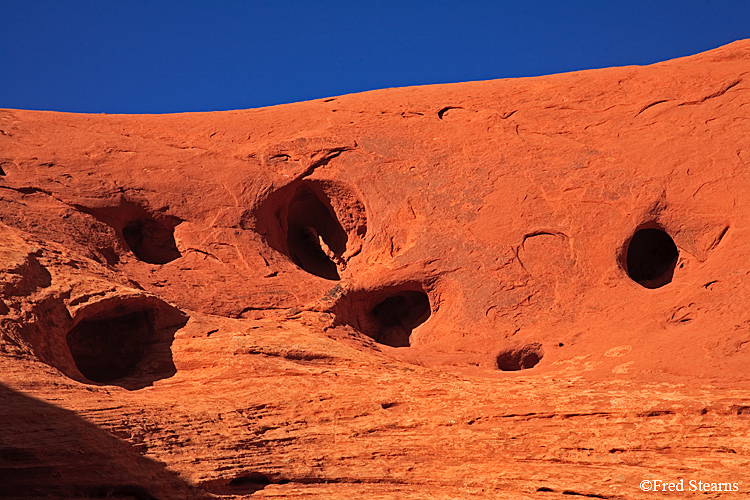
(388, 315)
(318, 224)
(398, 314)
(651, 257)
(109, 349)
(151, 241)
(519, 359)
(315, 237)
(248, 483)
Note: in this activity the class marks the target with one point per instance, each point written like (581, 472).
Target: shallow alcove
(128, 345)
(651, 257)
(397, 315)
(248, 484)
(387, 315)
(147, 233)
(150, 240)
(521, 358)
(318, 224)
(109, 349)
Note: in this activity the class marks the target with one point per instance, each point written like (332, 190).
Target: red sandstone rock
(527, 288)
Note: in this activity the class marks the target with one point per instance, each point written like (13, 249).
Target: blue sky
(159, 56)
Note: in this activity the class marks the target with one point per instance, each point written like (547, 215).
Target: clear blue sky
(158, 56)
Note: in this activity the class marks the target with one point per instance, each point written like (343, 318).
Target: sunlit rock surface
(527, 288)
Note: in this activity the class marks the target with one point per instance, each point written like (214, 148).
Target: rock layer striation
(526, 288)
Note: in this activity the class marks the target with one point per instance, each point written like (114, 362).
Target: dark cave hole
(109, 349)
(651, 257)
(318, 224)
(2, 172)
(393, 319)
(314, 235)
(151, 241)
(124, 347)
(519, 359)
(248, 483)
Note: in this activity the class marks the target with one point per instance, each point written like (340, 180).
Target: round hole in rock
(519, 359)
(651, 257)
(109, 349)
(397, 315)
(319, 224)
(248, 483)
(388, 315)
(126, 343)
(148, 234)
(151, 241)
(314, 235)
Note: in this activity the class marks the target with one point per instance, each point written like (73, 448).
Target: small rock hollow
(248, 483)
(109, 349)
(651, 257)
(147, 233)
(150, 240)
(318, 224)
(314, 234)
(129, 347)
(397, 315)
(519, 359)
(387, 315)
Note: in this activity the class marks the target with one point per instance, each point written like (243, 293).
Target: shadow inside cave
(128, 345)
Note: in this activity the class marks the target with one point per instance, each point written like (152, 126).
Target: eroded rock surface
(527, 288)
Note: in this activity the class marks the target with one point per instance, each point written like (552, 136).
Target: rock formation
(525, 288)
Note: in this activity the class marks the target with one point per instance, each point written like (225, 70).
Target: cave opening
(651, 257)
(315, 237)
(388, 315)
(320, 225)
(128, 345)
(519, 359)
(248, 484)
(397, 315)
(110, 348)
(151, 241)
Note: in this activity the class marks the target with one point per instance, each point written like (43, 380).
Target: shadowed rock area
(514, 289)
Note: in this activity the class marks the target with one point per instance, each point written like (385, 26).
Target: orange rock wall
(527, 288)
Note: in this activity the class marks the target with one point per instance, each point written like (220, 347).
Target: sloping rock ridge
(530, 288)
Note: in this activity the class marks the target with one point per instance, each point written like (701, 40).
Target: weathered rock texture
(528, 288)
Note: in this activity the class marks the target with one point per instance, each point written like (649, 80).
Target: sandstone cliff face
(528, 288)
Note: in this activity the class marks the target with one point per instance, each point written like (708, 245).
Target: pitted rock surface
(525, 288)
